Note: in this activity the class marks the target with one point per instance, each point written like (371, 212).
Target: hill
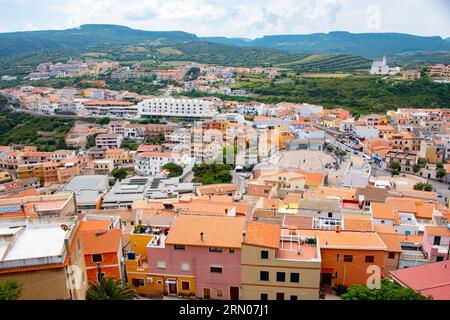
(369, 45)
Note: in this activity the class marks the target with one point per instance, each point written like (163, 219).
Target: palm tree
(110, 289)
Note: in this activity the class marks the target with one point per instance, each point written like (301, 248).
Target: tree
(395, 166)
(395, 172)
(423, 186)
(119, 173)
(174, 169)
(440, 173)
(389, 291)
(104, 121)
(10, 290)
(110, 289)
(225, 177)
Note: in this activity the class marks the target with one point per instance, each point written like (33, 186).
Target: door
(234, 293)
(206, 293)
(280, 296)
(327, 279)
(173, 288)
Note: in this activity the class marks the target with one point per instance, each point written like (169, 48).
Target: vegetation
(174, 169)
(158, 140)
(104, 121)
(192, 74)
(119, 173)
(423, 186)
(10, 290)
(110, 289)
(212, 173)
(130, 145)
(389, 291)
(18, 128)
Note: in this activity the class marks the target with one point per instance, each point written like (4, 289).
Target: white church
(381, 67)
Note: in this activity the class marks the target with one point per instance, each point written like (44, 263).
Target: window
(330, 214)
(294, 298)
(337, 257)
(215, 269)
(215, 249)
(185, 266)
(179, 247)
(281, 276)
(185, 285)
(336, 275)
(137, 282)
(280, 296)
(437, 241)
(370, 259)
(219, 293)
(264, 296)
(348, 258)
(391, 255)
(264, 254)
(97, 258)
(264, 275)
(295, 277)
(231, 250)
(161, 265)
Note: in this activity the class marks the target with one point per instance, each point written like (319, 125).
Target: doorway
(327, 279)
(234, 293)
(172, 287)
(206, 293)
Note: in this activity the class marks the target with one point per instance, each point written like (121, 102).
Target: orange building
(102, 250)
(347, 256)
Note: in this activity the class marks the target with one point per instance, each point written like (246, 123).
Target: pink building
(436, 243)
(204, 248)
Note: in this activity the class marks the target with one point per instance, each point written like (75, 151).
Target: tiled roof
(382, 211)
(263, 234)
(101, 240)
(437, 231)
(357, 222)
(392, 241)
(217, 231)
(428, 280)
(347, 239)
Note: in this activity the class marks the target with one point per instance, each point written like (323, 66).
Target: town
(206, 198)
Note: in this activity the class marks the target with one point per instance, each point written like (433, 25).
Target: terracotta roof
(347, 239)
(382, 211)
(392, 241)
(357, 222)
(383, 228)
(428, 280)
(101, 240)
(263, 234)
(217, 231)
(425, 211)
(437, 231)
(402, 204)
(372, 194)
(94, 225)
(300, 222)
(149, 154)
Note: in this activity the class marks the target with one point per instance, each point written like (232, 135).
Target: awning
(171, 281)
(327, 270)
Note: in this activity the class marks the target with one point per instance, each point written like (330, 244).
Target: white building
(255, 108)
(188, 109)
(357, 174)
(108, 141)
(382, 68)
(151, 163)
(364, 132)
(310, 133)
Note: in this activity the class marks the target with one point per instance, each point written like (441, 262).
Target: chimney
(201, 236)
(338, 228)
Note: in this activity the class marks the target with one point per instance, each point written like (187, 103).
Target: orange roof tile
(263, 234)
(382, 211)
(383, 228)
(353, 222)
(437, 231)
(97, 241)
(347, 239)
(392, 241)
(217, 231)
(94, 225)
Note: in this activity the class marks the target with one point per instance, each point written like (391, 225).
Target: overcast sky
(233, 18)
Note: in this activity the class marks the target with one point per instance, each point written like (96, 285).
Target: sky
(234, 18)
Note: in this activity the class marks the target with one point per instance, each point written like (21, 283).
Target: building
(357, 174)
(45, 256)
(279, 264)
(186, 109)
(151, 163)
(88, 190)
(430, 280)
(199, 255)
(436, 243)
(108, 141)
(381, 68)
(347, 255)
(406, 160)
(102, 250)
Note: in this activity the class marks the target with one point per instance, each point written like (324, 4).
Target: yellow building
(279, 264)
(26, 171)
